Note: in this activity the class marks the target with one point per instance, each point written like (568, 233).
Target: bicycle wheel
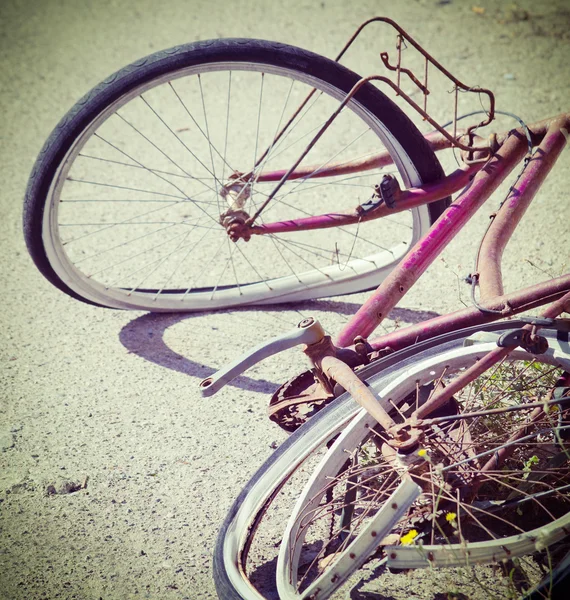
(124, 203)
(248, 545)
(491, 481)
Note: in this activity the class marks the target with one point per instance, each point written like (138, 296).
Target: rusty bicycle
(459, 456)
(456, 451)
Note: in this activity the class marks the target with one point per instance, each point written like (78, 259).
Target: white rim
(333, 280)
(447, 555)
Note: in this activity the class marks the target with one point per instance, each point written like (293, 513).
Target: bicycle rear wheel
(124, 203)
(248, 544)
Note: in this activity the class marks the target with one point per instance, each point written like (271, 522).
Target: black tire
(323, 426)
(72, 132)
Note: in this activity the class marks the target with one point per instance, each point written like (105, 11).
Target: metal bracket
(308, 331)
(386, 192)
(529, 340)
(370, 205)
(512, 339)
(403, 40)
(535, 344)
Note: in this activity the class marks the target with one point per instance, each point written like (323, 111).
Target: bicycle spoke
(207, 134)
(228, 261)
(320, 168)
(227, 128)
(112, 225)
(180, 263)
(138, 166)
(111, 266)
(293, 272)
(301, 257)
(179, 139)
(157, 174)
(159, 262)
(138, 238)
(206, 266)
(217, 184)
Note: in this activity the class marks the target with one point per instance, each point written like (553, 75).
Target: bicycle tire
(517, 509)
(90, 163)
(229, 572)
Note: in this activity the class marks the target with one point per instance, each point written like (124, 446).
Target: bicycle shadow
(144, 337)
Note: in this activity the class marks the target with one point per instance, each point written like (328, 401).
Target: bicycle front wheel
(347, 482)
(125, 202)
(490, 483)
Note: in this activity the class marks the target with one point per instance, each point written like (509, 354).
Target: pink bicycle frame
(481, 180)
(554, 136)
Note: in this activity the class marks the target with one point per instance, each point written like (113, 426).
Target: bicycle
(440, 466)
(362, 453)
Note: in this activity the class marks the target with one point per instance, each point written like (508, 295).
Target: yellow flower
(407, 539)
(450, 516)
(422, 452)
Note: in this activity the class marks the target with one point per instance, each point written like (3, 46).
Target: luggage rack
(403, 38)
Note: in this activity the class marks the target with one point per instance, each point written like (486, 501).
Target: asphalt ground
(110, 397)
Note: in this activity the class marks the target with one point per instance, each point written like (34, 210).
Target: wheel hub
(236, 193)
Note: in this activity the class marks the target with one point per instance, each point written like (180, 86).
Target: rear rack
(484, 152)
(402, 37)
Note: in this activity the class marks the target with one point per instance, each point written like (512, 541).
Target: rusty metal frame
(480, 177)
(453, 140)
(513, 150)
(423, 86)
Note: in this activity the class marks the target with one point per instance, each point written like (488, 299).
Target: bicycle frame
(486, 166)
(406, 436)
(479, 181)
(551, 135)
(553, 138)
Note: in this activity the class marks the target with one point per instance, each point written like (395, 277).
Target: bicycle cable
(473, 278)
(523, 125)
(498, 112)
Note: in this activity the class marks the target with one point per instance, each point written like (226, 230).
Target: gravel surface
(115, 474)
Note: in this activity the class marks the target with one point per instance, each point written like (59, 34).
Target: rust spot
(352, 555)
(393, 556)
(430, 556)
(394, 505)
(373, 534)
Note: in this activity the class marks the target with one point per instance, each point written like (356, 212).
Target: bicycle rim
(519, 507)
(248, 544)
(132, 216)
